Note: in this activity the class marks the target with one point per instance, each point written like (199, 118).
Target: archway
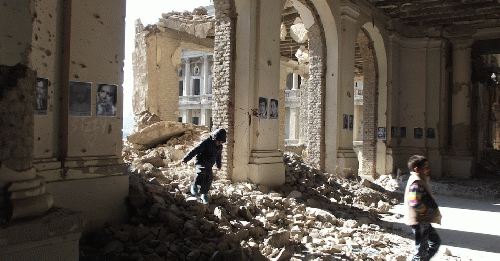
(371, 132)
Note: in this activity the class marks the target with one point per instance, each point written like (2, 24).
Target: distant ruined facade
(429, 78)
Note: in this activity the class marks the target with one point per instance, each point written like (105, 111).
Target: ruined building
(428, 71)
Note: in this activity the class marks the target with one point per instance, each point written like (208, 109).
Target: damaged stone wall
(223, 76)
(17, 98)
(370, 98)
(156, 60)
(316, 137)
(140, 70)
(313, 95)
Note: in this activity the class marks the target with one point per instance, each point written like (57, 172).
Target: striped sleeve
(415, 198)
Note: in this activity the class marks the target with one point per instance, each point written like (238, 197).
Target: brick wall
(223, 76)
(370, 98)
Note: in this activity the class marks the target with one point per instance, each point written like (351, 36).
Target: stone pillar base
(460, 166)
(267, 168)
(53, 236)
(347, 159)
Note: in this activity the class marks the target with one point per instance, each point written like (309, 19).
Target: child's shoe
(194, 189)
(204, 199)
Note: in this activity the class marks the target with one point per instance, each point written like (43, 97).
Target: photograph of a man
(273, 105)
(381, 133)
(418, 133)
(41, 96)
(345, 123)
(262, 108)
(80, 98)
(106, 100)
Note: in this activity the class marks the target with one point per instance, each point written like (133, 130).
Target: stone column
(346, 158)
(187, 77)
(205, 117)
(461, 111)
(256, 155)
(26, 191)
(187, 115)
(204, 87)
(461, 161)
(294, 123)
(295, 82)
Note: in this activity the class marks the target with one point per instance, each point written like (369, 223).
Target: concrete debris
(150, 131)
(313, 216)
(283, 32)
(298, 32)
(198, 22)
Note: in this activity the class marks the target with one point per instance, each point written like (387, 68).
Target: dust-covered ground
(313, 216)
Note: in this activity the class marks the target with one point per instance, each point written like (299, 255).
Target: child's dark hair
(416, 161)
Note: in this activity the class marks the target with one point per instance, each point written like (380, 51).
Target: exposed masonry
(140, 68)
(312, 103)
(223, 76)
(17, 98)
(370, 97)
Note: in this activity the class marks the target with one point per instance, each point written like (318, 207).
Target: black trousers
(203, 179)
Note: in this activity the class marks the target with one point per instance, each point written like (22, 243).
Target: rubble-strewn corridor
(323, 101)
(314, 216)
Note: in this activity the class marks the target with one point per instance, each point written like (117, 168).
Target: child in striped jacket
(422, 209)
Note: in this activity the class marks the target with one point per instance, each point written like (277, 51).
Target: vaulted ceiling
(441, 13)
(418, 13)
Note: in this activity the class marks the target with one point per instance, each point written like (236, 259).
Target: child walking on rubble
(422, 209)
(207, 152)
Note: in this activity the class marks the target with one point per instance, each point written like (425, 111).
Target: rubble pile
(313, 216)
(198, 23)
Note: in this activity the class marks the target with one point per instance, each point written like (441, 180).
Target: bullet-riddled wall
(75, 41)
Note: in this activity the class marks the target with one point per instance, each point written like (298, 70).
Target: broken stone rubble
(313, 216)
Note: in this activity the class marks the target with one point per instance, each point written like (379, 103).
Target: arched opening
(370, 130)
(303, 51)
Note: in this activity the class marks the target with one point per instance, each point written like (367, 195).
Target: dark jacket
(206, 152)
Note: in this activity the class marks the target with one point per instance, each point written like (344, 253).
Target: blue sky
(149, 11)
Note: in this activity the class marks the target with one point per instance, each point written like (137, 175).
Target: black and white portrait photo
(80, 98)
(41, 96)
(431, 133)
(402, 132)
(106, 99)
(418, 133)
(262, 108)
(345, 124)
(381, 133)
(273, 109)
(394, 131)
(351, 122)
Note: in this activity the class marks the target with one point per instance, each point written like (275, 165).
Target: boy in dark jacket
(207, 152)
(422, 209)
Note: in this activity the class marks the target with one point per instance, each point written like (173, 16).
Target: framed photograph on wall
(418, 133)
(262, 108)
(273, 109)
(394, 131)
(41, 96)
(106, 99)
(381, 133)
(345, 124)
(431, 133)
(351, 122)
(80, 98)
(402, 132)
